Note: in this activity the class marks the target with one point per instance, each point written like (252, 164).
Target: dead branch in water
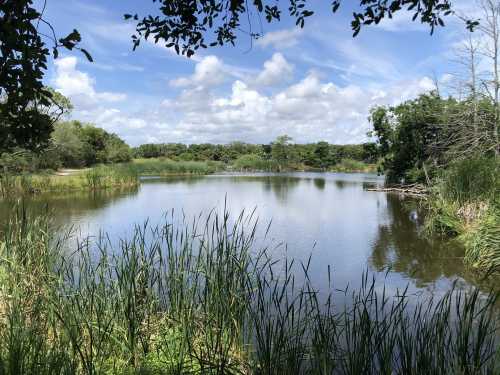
(410, 189)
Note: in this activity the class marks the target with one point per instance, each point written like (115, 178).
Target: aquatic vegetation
(203, 297)
(100, 177)
(163, 167)
(351, 165)
(465, 204)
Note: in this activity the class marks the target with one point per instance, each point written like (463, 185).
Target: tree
(189, 25)
(322, 153)
(68, 143)
(281, 152)
(406, 134)
(491, 30)
(23, 61)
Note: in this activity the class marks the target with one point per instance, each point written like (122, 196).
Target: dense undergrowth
(465, 204)
(204, 298)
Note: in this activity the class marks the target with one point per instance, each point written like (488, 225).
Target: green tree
(407, 133)
(117, 151)
(322, 154)
(281, 151)
(23, 60)
(68, 143)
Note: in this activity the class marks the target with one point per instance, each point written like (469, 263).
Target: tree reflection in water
(412, 252)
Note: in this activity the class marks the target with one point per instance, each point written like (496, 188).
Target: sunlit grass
(100, 177)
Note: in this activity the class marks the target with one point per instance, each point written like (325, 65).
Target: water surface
(331, 215)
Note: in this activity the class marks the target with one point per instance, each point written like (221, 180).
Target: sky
(314, 84)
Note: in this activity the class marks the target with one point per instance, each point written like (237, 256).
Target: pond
(331, 215)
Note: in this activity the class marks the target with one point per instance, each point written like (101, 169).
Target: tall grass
(475, 179)
(466, 204)
(100, 177)
(162, 167)
(202, 298)
(350, 165)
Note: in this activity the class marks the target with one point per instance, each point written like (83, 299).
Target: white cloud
(208, 72)
(280, 39)
(79, 86)
(308, 110)
(276, 70)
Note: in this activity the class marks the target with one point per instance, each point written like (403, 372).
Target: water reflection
(319, 183)
(68, 208)
(281, 186)
(330, 214)
(402, 246)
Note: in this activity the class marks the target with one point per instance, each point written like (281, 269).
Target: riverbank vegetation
(280, 155)
(96, 178)
(210, 298)
(451, 147)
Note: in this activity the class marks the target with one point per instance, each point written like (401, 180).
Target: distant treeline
(282, 153)
(74, 144)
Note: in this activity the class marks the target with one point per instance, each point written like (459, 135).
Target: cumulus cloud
(280, 39)
(79, 86)
(276, 70)
(208, 72)
(309, 109)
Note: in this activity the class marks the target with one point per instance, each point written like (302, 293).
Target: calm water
(330, 215)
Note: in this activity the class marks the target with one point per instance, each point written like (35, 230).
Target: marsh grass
(465, 204)
(350, 165)
(165, 167)
(203, 297)
(100, 177)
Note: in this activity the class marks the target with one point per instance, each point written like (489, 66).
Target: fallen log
(413, 189)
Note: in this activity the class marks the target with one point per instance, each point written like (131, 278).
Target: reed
(350, 165)
(165, 167)
(465, 204)
(202, 297)
(100, 177)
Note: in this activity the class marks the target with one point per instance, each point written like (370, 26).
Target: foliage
(252, 162)
(190, 26)
(281, 153)
(201, 298)
(465, 205)
(405, 134)
(23, 61)
(239, 155)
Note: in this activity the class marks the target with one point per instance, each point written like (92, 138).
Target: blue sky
(316, 83)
